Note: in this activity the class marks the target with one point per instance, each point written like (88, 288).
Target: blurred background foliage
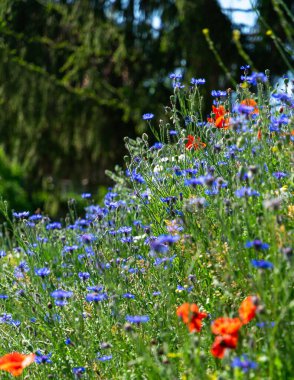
(76, 77)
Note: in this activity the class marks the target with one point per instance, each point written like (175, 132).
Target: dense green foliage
(76, 77)
(203, 216)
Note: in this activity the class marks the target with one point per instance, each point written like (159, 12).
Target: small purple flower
(148, 116)
(262, 264)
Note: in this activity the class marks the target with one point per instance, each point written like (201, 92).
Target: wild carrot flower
(248, 309)
(191, 316)
(15, 362)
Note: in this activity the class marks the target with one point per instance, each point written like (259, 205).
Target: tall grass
(204, 216)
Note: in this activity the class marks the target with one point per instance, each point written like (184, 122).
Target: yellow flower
(269, 33)
(236, 35)
(205, 31)
(174, 355)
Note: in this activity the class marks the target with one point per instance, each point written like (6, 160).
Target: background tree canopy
(76, 76)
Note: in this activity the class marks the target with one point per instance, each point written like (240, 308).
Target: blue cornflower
(257, 244)
(87, 238)
(21, 215)
(41, 359)
(35, 217)
(53, 226)
(175, 76)
(156, 146)
(148, 116)
(265, 324)
(280, 175)
(243, 108)
(245, 67)
(195, 81)
(2, 254)
(69, 248)
(178, 85)
(285, 98)
(218, 93)
(95, 297)
(262, 264)
(21, 269)
(3, 296)
(104, 358)
(194, 181)
(125, 230)
(7, 318)
(244, 363)
(255, 78)
(86, 195)
(84, 275)
(137, 318)
(96, 288)
(156, 294)
(68, 341)
(128, 295)
(172, 132)
(246, 192)
(42, 272)
(181, 288)
(78, 371)
(61, 296)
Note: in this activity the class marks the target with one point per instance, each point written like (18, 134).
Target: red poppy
(248, 309)
(226, 326)
(191, 316)
(221, 343)
(221, 117)
(250, 103)
(15, 362)
(193, 143)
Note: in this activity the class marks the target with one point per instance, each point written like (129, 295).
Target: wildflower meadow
(185, 271)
